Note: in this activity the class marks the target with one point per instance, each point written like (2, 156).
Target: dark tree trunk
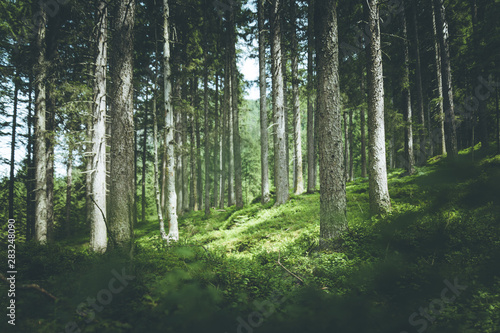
(363, 127)
(422, 152)
(407, 112)
(449, 124)
(13, 149)
(69, 186)
(333, 214)
(122, 187)
(439, 81)
(144, 164)
(281, 167)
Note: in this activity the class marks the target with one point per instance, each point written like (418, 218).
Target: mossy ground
(224, 276)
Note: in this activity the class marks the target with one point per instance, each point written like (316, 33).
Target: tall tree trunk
(439, 81)
(378, 191)
(224, 138)
(13, 148)
(346, 146)
(69, 185)
(333, 214)
(144, 163)
(363, 126)
(98, 233)
(298, 185)
(264, 141)
(30, 195)
(311, 153)
(216, 147)
(238, 184)
(449, 124)
(199, 177)
(407, 112)
(351, 146)
(206, 137)
(422, 153)
(41, 203)
(230, 131)
(281, 168)
(122, 187)
(158, 201)
(184, 157)
(192, 157)
(171, 207)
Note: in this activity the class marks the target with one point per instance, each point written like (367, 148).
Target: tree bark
(13, 148)
(363, 127)
(422, 152)
(346, 146)
(122, 186)
(281, 168)
(144, 164)
(30, 193)
(41, 203)
(69, 185)
(333, 214)
(207, 136)
(439, 81)
(351, 145)
(448, 105)
(171, 207)
(216, 148)
(407, 112)
(298, 185)
(311, 152)
(98, 234)
(264, 141)
(378, 191)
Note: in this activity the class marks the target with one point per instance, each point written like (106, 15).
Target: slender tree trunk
(298, 184)
(30, 195)
(281, 175)
(439, 80)
(230, 131)
(363, 127)
(407, 112)
(238, 184)
(13, 148)
(216, 144)
(144, 164)
(264, 141)
(333, 214)
(199, 177)
(69, 185)
(184, 156)
(192, 157)
(158, 201)
(41, 133)
(122, 187)
(171, 207)
(351, 146)
(378, 190)
(422, 153)
(224, 139)
(448, 106)
(206, 138)
(311, 153)
(346, 146)
(50, 140)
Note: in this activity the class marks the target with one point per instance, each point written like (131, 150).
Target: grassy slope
(444, 226)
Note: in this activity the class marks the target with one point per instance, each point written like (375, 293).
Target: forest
(147, 184)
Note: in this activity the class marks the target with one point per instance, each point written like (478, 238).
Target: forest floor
(431, 265)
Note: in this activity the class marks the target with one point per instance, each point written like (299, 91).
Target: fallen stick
(286, 269)
(30, 286)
